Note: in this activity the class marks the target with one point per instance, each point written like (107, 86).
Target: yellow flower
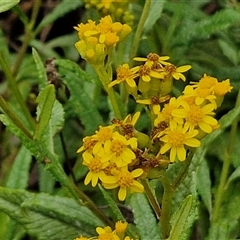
(175, 139)
(221, 88)
(96, 166)
(82, 238)
(206, 82)
(176, 72)
(153, 58)
(119, 150)
(106, 233)
(200, 95)
(120, 227)
(197, 116)
(125, 74)
(126, 181)
(153, 102)
(166, 114)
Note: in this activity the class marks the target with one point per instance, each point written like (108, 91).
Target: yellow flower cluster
(179, 123)
(190, 116)
(118, 9)
(109, 153)
(97, 41)
(153, 78)
(106, 233)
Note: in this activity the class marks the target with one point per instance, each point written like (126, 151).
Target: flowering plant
(129, 133)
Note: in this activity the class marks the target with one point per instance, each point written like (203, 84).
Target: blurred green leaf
(235, 175)
(73, 76)
(6, 4)
(60, 10)
(42, 76)
(19, 173)
(202, 29)
(154, 14)
(45, 102)
(48, 217)
(179, 219)
(144, 218)
(204, 185)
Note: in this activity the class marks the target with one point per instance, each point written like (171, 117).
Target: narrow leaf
(18, 177)
(179, 219)
(80, 101)
(154, 14)
(45, 101)
(6, 4)
(48, 217)
(144, 218)
(42, 77)
(204, 185)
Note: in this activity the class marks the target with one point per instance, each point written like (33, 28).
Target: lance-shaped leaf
(45, 101)
(48, 217)
(144, 218)
(6, 5)
(179, 220)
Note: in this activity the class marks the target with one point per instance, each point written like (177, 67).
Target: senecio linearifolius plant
(121, 158)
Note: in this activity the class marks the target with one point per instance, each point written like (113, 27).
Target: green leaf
(19, 174)
(60, 10)
(154, 14)
(41, 69)
(235, 175)
(48, 217)
(43, 155)
(45, 102)
(112, 204)
(6, 4)
(73, 76)
(210, 24)
(179, 219)
(144, 218)
(204, 185)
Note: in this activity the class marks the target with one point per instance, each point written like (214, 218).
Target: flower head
(125, 180)
(119, 150)
(176, 72)
(175, 139)
(125, 74)
(96, 165)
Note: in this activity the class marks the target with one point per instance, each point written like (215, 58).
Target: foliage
(68, 95)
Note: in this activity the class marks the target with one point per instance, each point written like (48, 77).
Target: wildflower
(166, 114)
(126, 126)
(126, 181)
(221, 88)
(119, 150)
(124, 73)
(197, 116)
(82, 238)
(176, 72)
(175, 138)
(153, 58)
(205, 82)
(106, 233)
(96, 165)
(200, 95)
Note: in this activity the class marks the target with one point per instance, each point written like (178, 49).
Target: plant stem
(183, 172)
(14, 118)
(104, 78)
(151, 198)
(166, 204)
(16, 91)
(226, 165)
(139, 31)
(28, 36)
